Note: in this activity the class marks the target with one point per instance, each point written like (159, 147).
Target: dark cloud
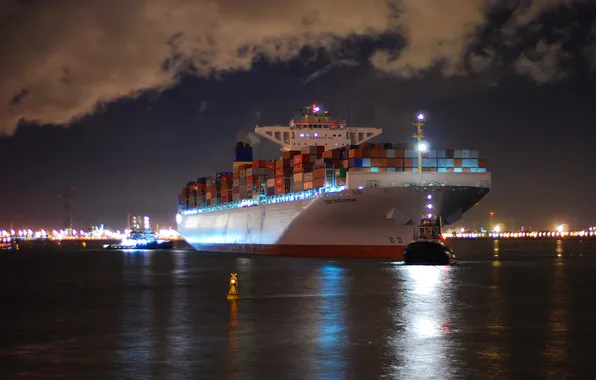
(63, 58)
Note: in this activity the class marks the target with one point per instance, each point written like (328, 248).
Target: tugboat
(141, 239)
(427, 247)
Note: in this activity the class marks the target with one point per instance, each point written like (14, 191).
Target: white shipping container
(271, 182)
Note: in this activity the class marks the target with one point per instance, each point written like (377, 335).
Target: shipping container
(309, 177)
(282, 181)
(457, 153)
(308, 185)
(298, 177)
(298, 186)
(271, 182)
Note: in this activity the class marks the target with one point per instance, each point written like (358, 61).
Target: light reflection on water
(331, 336)
(421, 346)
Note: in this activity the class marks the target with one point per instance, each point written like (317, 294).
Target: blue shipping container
(432, 153)
(391, 170)
(481, 170)
(457, 154)
(410, 153)
(442, 170)
(465, 153)
(442, 153)
(442, 162)
(366, 162)
(473, 162)
(450, 163)
(374, 169)
(458, 170)
(355, 162)
(429, 162)
(473, 154)
(465, 163)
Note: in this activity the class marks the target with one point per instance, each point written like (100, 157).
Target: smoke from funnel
(248, 137)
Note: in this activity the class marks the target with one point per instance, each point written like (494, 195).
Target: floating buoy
(233, 293)
(84, 244)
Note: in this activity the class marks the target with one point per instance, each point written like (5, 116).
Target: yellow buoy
(84, 244)
(233, 293)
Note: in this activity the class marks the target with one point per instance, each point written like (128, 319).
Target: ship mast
(420, 146)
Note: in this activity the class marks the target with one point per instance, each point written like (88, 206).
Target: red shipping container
(303, 167)
(482, 163)
(282, 181)
(450, 153)
(399, 153)
(259, 164)
(457, 162)
(319, 182)
(271, 165)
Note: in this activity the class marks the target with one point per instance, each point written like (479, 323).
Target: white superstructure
(313, 126)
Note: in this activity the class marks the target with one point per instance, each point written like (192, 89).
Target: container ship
(330, 194)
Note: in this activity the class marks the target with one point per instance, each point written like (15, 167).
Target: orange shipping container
(408, 163)
(308, 185)
(457, 162)
(482, 163)
(271, 165)
(355, 153)
(301, 158)
(399, 153)
(283, 163)
(319, 173)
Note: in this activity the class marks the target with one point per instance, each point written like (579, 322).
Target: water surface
(507, 310)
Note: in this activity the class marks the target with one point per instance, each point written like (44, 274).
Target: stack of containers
(303, 163)
(227, 186)
(270, 178)
(283, 172)
(314, 153)
(373, 158)
(256, 178)
(239, 182)
(313, 167)
(201, 192)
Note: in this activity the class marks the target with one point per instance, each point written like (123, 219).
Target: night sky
(128, 101)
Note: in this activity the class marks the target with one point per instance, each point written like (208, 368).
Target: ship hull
(375, 223)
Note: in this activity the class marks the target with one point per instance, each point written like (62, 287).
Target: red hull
(393, 252)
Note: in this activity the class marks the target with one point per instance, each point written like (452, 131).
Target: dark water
(527, 313)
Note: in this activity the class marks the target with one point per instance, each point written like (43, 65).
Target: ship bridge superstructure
(314, 126)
